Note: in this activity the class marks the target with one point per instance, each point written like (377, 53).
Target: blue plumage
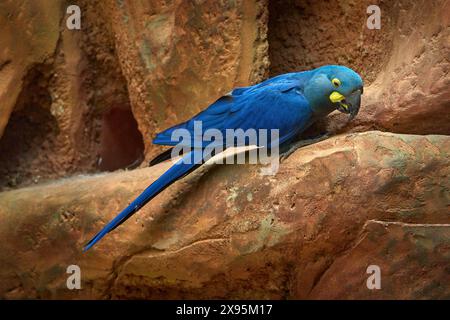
(178, 170)
(289, 103)
(256, 107)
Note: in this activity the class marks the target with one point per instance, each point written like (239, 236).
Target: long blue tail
(177, 171)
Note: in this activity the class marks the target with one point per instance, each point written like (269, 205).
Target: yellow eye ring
(336, 82)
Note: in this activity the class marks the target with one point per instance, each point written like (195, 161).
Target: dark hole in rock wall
(118, 141)
(121, 143)
(28, 137)
(37, 146)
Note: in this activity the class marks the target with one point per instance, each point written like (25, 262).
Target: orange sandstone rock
(229, 232)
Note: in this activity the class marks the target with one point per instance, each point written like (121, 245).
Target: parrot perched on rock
(289, 102)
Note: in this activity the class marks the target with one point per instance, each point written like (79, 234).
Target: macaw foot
(302, 143)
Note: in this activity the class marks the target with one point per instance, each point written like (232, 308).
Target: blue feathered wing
(277, 103)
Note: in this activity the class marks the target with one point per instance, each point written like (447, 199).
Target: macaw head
(334, 88)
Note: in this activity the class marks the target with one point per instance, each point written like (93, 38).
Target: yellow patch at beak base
(336, 97)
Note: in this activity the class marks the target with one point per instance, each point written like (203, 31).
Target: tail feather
(177, 171)
(166, 155)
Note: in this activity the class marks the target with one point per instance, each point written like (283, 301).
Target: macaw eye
(336, 82)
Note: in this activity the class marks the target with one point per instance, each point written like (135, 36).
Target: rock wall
(85, 101)
(405, 64)
(229, 232)
(91, 100)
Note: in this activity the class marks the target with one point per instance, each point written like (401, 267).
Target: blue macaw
(289, 102)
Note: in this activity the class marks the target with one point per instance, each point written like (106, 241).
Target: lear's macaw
(290, 103)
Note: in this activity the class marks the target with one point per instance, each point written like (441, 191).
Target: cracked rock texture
(413, 254)
(91, 100)
(310, 231)
(75, 104)
(405, 65)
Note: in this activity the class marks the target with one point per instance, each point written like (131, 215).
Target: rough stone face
(413, 254)
(36, 25)
(230, 232)
(405, 64)
(180, 56)
(65, 96)
(91, 100)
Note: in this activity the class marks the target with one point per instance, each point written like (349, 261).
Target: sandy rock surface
(91, 100)
(230, 232)
(78, 110)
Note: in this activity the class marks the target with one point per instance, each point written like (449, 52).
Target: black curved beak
(351, 104)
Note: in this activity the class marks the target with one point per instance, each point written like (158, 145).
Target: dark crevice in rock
(27, 139)
(121, 143)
